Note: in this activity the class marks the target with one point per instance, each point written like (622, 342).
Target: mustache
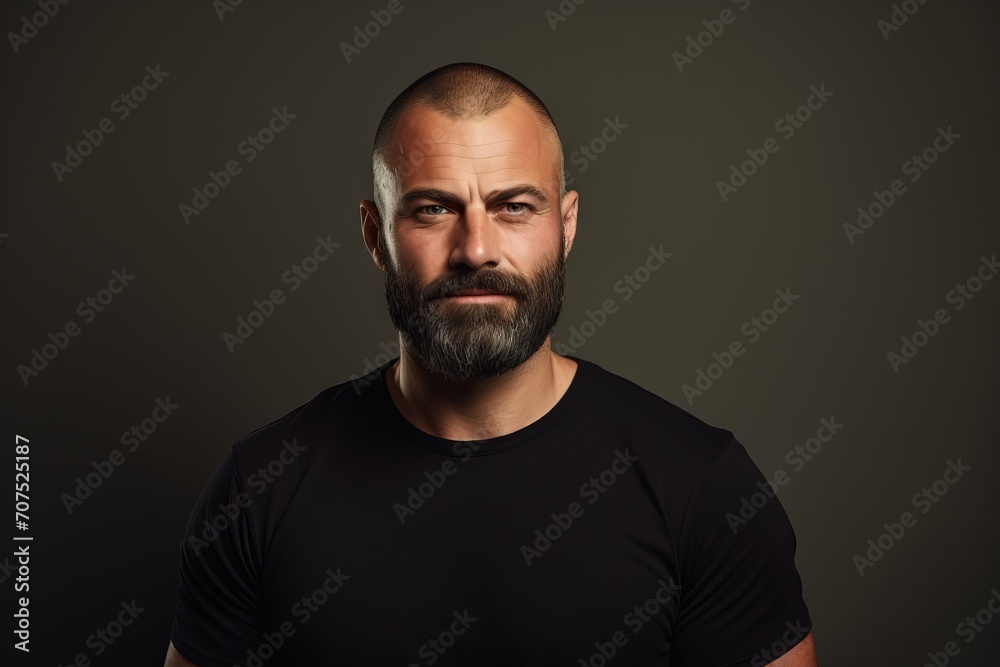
(493, 280)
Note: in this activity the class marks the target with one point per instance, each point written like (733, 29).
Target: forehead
(436, 149)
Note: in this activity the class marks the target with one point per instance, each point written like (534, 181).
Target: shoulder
(294, 437)
(664, 425)
(678, 452)
(690, 467)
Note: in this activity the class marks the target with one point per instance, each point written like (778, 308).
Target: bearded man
(480, 499)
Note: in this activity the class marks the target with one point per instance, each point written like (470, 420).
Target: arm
(742, 599)
(802, 654)
(218, 612)
(175, 659)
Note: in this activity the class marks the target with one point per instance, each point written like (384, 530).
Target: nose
(476, 241)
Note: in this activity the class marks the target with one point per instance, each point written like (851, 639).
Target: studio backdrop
(788, 228)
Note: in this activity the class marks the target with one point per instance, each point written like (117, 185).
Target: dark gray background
(656, 184)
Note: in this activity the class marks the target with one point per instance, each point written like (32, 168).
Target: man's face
(478, 209)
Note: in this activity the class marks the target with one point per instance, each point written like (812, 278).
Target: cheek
(424, 254)
(528, 254)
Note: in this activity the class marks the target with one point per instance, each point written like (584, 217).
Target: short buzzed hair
(464, 90)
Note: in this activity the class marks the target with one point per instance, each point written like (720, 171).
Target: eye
(516, 208)
(433, 209)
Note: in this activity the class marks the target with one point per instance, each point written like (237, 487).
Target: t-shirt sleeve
(218, 614)
(741, 596)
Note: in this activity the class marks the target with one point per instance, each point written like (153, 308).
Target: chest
(472, 570)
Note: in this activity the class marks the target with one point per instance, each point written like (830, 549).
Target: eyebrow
(500, 195)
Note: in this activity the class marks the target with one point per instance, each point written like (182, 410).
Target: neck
(478, 408)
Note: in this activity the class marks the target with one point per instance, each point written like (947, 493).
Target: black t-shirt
(617, 528)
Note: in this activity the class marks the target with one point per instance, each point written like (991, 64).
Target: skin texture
(175, 659)
(802, 654)
(471, 160)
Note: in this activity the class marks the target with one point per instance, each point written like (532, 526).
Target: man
(481, 500)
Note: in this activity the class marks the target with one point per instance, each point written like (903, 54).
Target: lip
(475, 295)
(474, 292)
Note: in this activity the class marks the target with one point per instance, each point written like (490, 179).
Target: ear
(570, 208)
(371, 230)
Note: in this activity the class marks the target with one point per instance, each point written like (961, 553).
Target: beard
(462, 341)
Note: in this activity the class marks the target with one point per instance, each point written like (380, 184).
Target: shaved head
(459, 90)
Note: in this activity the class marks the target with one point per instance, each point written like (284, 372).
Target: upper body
(600, 527)
(559, 514)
